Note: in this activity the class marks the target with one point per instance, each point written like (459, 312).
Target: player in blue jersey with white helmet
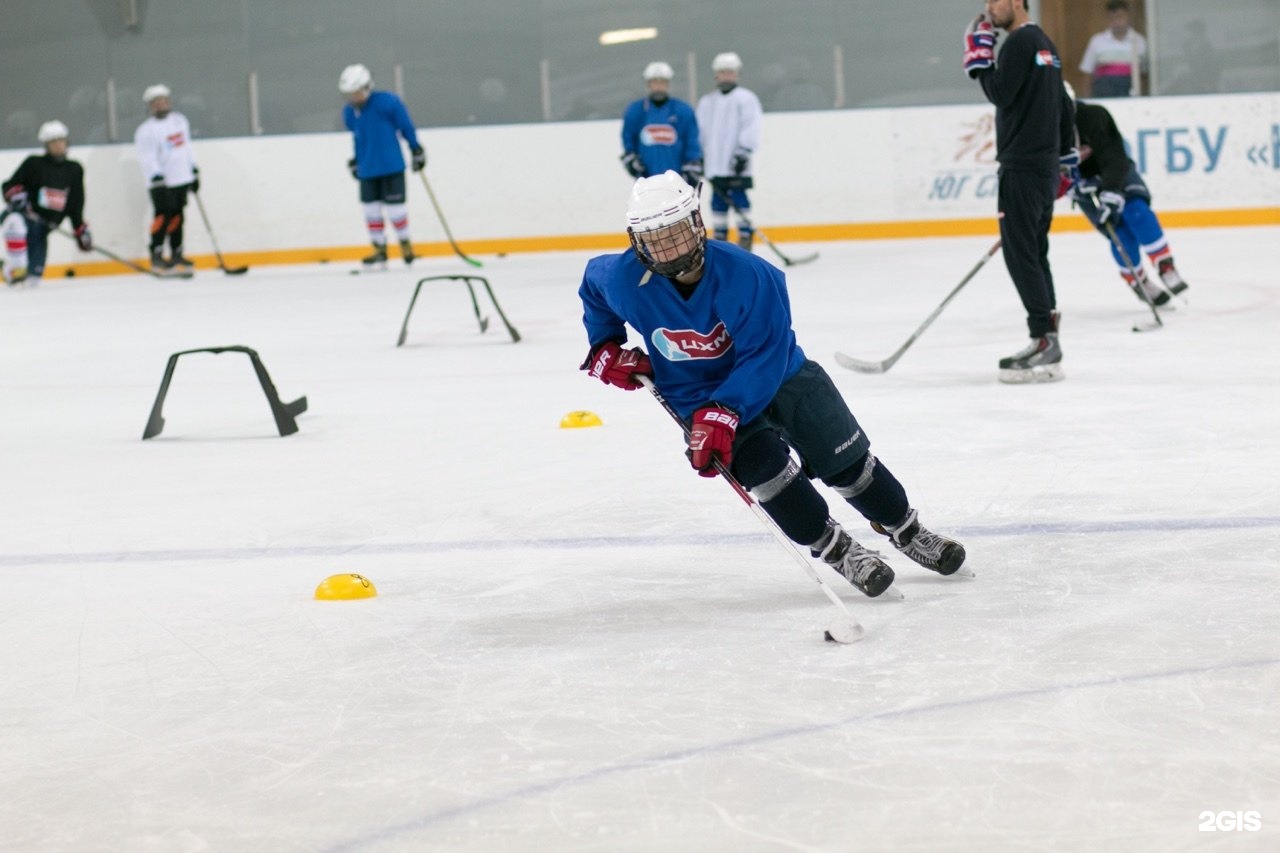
(378, 120)
(721, 350)
(660, 132)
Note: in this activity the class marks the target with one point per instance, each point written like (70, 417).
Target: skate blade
(1033, 375)
(962, 572)
(891, 594)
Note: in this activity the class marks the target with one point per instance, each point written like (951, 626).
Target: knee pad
(870, 488)
(763, 464)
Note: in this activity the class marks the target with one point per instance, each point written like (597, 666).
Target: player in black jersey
(1111, 192)
(44, 190)
(1035, 138)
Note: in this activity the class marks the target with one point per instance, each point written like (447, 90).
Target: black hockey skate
(378, 258)
(406, 252)
(942, 555)
(180, 262)
(860, 566)
(1039, 361)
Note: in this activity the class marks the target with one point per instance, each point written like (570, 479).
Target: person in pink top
(1115, 56)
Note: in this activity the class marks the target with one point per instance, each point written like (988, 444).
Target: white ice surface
(581, 645)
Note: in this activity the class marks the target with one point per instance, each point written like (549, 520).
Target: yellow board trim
(905, 229)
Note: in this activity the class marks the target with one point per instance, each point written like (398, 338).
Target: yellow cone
(345, 588)
(577, 420)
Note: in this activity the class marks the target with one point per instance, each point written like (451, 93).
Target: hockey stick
(849, 629)
(882, 366)
(107, 253)
(217, 253)
(445, 225)
(743, 218)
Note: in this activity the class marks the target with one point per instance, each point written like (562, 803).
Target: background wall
(484, 62)
(822, 175)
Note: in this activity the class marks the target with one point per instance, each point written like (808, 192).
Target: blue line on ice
(435, 818)
(182, 555)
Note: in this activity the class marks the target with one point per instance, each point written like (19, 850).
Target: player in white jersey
(163, 144)
(729, 122)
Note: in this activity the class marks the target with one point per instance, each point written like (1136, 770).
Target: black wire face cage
(683, 242)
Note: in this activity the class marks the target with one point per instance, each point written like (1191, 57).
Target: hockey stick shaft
(1133, 271)
(107, 253)
(444, 224)
(883, 366)
(755, 507)
(217, 253)
(746, 220)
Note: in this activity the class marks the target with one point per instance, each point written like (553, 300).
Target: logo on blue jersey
(685, 344)
(1047, 59)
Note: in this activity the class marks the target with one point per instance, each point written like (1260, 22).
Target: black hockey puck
(71, 273)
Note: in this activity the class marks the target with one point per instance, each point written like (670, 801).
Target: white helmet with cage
(726, 62)
(354, 78)
(51, 130)
(159, 90)
(658, 71)
(664, 222)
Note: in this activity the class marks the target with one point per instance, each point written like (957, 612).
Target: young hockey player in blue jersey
(660, 132)
(375, 118)
(717, 322)
(1110, 190)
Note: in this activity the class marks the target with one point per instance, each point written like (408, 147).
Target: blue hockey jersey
(374, 125)
(730, 342)
(664, 137)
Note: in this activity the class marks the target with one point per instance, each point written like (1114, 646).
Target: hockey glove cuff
(692, 172)
(16, 197)
(1110, 207)
(83, 238)
(979, 46)
(351, 167)
(613, 365)
(711, 434)
(157, 182)
(741, 160)
(195, 180)
(419, 159)
(633, 164)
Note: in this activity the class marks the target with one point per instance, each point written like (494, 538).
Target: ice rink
(580, 645)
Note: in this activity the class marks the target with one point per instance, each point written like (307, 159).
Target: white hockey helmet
(159, 90)
(354, 78)
(1071, 90)
(664, 217)
(51, 130)
(726, 62)
(658, 71)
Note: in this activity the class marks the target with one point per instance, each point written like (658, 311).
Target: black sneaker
(942, 555)
(860, 566)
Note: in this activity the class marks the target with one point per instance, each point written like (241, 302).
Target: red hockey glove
(16, 197)
(979, 46)
(613, 365)
(711, 435)
(83, 238)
